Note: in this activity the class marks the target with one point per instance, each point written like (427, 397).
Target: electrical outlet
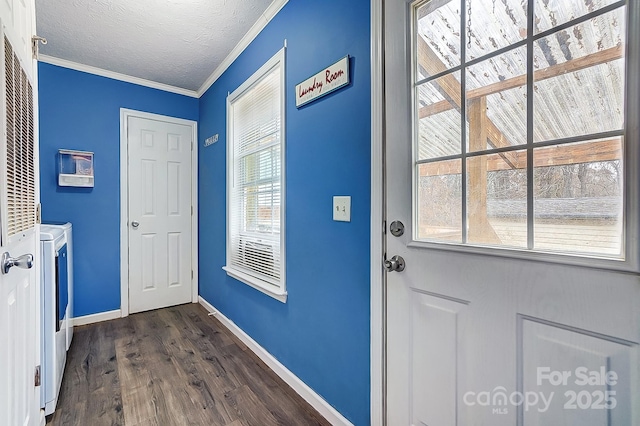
(342, 208)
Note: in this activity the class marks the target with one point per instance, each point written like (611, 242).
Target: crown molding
(261, 23)
(115, 76)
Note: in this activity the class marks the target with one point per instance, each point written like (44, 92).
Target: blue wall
(322, 333)
(82, 111)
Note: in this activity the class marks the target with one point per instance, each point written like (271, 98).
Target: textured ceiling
(174, 42)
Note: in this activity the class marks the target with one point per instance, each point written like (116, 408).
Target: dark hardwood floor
(173, 366)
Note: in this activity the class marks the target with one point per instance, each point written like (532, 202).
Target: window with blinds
(20, 173)
(255, 170)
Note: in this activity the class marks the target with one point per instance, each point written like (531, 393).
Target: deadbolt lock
(396, 228)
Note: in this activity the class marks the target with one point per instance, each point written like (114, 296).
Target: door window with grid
(519, 124)
(255, 170)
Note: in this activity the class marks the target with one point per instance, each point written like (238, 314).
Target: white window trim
(278, 293)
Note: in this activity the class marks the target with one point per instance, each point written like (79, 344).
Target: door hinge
(191, 210)
(192, 274)
(191, 145)
(384, 227)
(34, 45)
(38, 213)
(37, 376)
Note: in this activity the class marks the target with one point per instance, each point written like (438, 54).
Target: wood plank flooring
(173, 366)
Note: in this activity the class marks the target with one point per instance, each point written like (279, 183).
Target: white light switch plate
(342, 208)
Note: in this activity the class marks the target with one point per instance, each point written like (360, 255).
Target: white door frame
(377, 295)
(124, 201)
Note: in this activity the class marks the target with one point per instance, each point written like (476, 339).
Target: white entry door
(519, 302)
(19, 298)
(160, 213)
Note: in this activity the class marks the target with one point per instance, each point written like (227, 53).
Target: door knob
(25, 262)
(396, 263)
(135, 224)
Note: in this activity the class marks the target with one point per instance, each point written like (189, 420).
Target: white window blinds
(255, 196)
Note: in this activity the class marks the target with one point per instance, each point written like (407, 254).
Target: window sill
(568, 259)
(256, 283)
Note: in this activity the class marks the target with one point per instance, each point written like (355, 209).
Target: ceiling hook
(34, 44)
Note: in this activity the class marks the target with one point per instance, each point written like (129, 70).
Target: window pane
(549, 14)
(497, 101)
(578, 197)
(262, 209)
(578, 92)
(259, 174)
(494, 25)
(579, 79)
(440, 201)
(437, 38)
(497, 199)
(439, 117)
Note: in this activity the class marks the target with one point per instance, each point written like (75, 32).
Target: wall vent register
(20, 173)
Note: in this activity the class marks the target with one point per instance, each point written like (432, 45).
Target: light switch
(342, 208)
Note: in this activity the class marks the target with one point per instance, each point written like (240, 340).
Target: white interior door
(491, 168)
(19, 298)
(160, 211)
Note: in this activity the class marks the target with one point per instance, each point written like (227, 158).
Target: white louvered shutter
(20, 172)
(255, 195)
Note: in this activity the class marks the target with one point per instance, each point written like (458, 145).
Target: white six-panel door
(160, 213)
(469, 334)
(19, 299)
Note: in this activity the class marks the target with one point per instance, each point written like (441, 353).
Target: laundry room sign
(326, 81)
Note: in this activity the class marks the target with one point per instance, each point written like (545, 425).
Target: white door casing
(160, 194)
(464, 325)
(20, 300)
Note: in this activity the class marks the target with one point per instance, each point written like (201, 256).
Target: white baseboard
(102, 316)
(308, 394)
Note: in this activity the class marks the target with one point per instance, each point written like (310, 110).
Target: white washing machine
(68, 231)
(56, 308)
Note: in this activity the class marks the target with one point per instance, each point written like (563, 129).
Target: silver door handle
(25, 262)
(135, 224)
(396, 263)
